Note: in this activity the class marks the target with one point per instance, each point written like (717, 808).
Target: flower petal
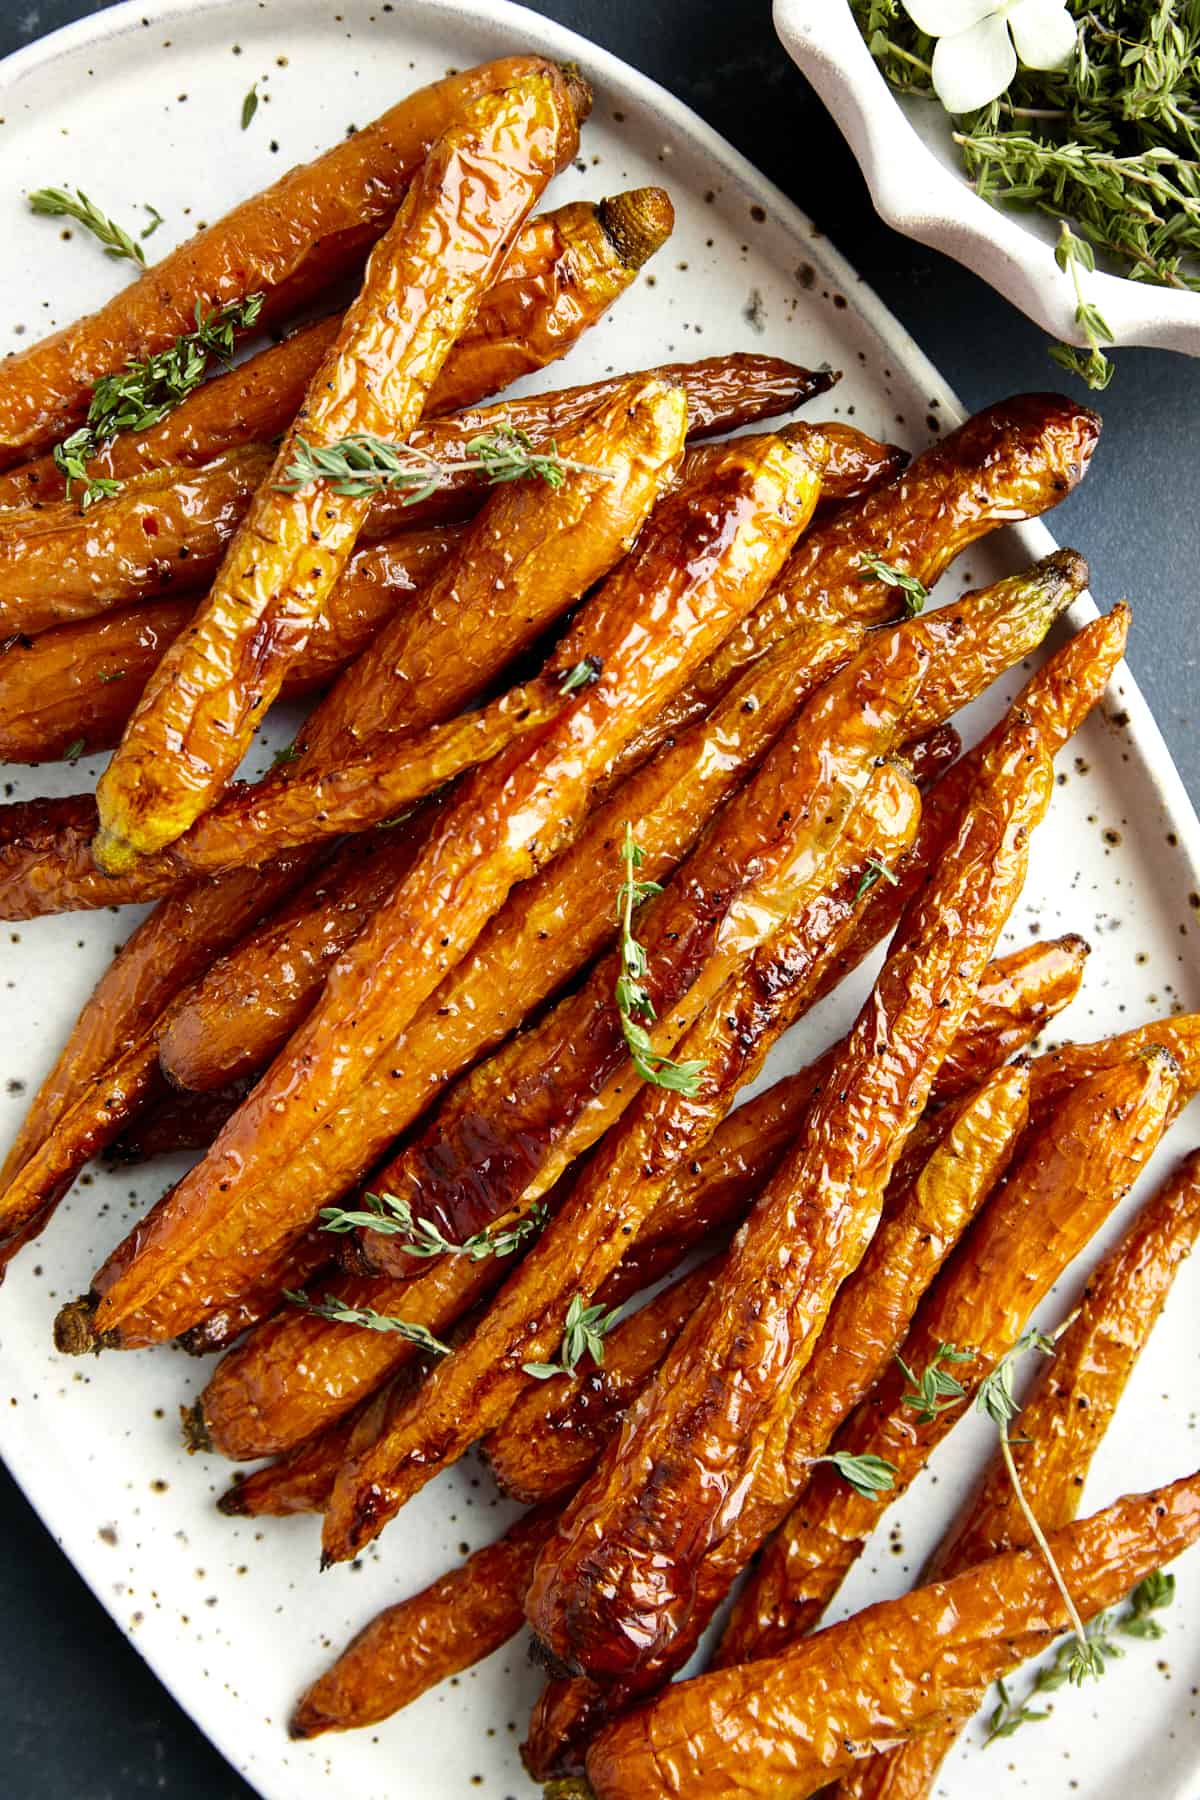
(945, 18)
(974, 66)
(1044, 33)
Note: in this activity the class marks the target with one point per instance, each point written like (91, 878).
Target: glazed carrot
(1014, 460)
(170, 527)
(75, 687)
(823, 1204)
(811, 849)
(286, 243)
(1017, 998)
(564, 271)
(298, 1372)
(197, 716)
(1060, 1069)
(529, 1115)
(177, 1122)
(925, 1214)
(786, 1727)
(403, 1652)
(1057, 1196)
(1057, 1433)
(697, 566)
(1058, 696)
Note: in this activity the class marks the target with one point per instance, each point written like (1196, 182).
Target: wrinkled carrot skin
(470, 1391)
(1012, 461)
(697, 567)
(287, 243)
(257, 823)
(1014, 1004)
(782, 1729)
(292, 950)
(1060, 1069)
(1057, 1196)
(408, 1649)
(63, 685)
(554, 1432)
(221, 1330)
(529, 555)
(64, 566)
(633, 1545)
(82, 681)
(494, 1128)
(1057, 1434)
(171, 526)
(103, 1073)
(925, 1215)
(1058, 697)
(423, 283)
(564, 271)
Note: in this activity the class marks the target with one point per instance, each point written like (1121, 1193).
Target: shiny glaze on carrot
(1057, 1433)
(618, 1580)
(697, 567)
(781, 1729)
(1062, 1188)
(287, 243)
(423, 283)
(772, 944)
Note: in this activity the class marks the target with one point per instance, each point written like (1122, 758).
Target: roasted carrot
(170, 527)
(759, 1326)
(286, 243)
(1059, 1193)
(403, 1652)
(786, 1727)
(177, 1122)
(1014, 460)
(472, 1389)
(1057, 1433)
(298, 1372)
(564, 271)
(1017, 998)
(75, 687)
(925, 1214)
(697, 566)
(498, 1126)
(195, 720)
(1060, 1069)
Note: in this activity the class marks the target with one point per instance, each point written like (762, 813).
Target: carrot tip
(637, 223)
(75, 1328)
(112, 853)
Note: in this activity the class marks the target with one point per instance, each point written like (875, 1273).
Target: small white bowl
(905, 149)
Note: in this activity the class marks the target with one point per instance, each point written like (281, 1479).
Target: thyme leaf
(584, 1331)
(363, 464)
(341, 1313)
(867, 1474)
(634, 1004)
(914, 592)
(59, 203)
(392, 1216)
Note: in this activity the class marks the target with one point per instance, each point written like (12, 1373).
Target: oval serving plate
(143, 104)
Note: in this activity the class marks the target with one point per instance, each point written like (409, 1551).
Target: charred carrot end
(194, 1429)
(637, 223)
(75, 1331)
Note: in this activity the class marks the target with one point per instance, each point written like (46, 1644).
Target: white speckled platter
(142, 104)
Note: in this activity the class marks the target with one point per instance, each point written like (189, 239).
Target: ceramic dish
(903, 145)
(142, 104)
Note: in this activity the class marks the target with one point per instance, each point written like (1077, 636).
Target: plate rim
(1147, 745)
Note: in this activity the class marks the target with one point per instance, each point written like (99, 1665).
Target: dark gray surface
(79, 1713)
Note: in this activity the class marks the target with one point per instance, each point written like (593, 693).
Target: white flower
(979, 42)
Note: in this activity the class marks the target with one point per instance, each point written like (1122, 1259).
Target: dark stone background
(80, 1715)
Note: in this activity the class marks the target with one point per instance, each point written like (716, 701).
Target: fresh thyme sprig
(634, 1004)
(392, 1216)
(143, 393)
(584, 1331)
(1148, 1597)
(59, 203)
(873, 872)
(934, 1390)
(1109, 143)
(1072, 254)
(341, 1313)
(867, 1474)
(996, 1399)
(914, 593)
(363, 464)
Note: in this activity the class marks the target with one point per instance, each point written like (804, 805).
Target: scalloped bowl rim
(920, 196)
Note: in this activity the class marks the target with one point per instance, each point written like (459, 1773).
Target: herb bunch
(584, 1331)
(392, 1216)
(60, 203)
(1110, 144)
(143, 393)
